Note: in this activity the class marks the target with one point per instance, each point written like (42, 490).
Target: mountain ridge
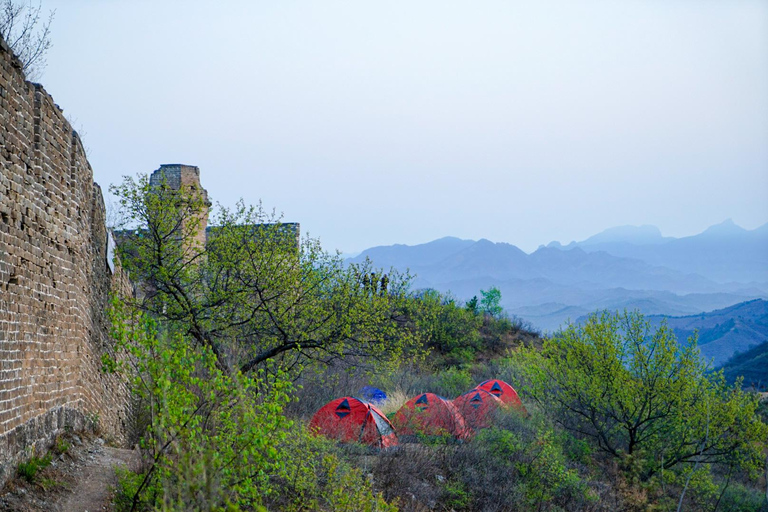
(724, 332)
(607, 272)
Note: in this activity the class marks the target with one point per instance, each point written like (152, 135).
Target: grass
(394, 402)
(28, 470)
(61, 446)
(49, 483)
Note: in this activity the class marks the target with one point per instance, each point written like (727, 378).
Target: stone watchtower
(184, 178)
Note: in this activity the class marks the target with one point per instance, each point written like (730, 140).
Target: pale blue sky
(375, 123)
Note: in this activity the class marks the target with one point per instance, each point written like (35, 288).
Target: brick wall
(54, 278)
(185, 178)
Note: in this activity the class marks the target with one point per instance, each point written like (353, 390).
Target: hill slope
(752, 365)
(724, 332)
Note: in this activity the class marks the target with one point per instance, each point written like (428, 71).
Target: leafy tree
(449, 330)
(28, 37)
(253, 294)
(643, 398)
(472, 305)
(490, 302)
(219, 441)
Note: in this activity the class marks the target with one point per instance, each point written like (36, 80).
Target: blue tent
(372, 394)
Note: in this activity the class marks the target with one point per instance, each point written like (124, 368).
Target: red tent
(477, 407)
(431, 415)
(503, 392)
(348, 419)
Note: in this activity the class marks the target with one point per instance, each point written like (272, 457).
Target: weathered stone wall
(185, 178)
(54, 278)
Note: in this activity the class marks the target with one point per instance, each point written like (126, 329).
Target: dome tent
(348, 419)
(430, 415)
(372, 395)
(503, 392)
(477, 407)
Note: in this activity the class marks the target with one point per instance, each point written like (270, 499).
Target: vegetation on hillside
(751, 366)
(232, 346)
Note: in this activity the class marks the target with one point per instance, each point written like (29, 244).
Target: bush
(28, 470)
(642, 398)
(520, 464)
(61, 446)
(738, 498)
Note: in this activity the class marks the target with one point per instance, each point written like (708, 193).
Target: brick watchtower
(184, 178)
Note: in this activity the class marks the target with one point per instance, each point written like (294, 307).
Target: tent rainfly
(503, 392)
(430, 415)
(349, 419)
(478, 407)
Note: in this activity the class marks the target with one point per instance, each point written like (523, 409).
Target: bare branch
(29, 37)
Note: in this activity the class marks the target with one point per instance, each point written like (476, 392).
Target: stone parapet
(54, 278)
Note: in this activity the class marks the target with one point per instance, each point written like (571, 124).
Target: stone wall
(54, 278)
(185, 178)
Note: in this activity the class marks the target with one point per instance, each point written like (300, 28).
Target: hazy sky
(375, 123)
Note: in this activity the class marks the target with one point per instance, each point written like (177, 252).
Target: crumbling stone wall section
(54, 278)
(185, 178)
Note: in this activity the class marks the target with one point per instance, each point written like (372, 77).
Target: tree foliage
(253, 294)
(490, 302)
(449, 330)
(457, 334)
(218, 441)
(644, 398)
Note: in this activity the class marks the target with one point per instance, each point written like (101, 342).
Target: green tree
(472, 305)
(642, 397)
(448, 330)
(253, 294)
(490, 302)
(215, 441)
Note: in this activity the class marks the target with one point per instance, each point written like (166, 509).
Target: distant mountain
(555, 284)
(451, 259)
(723, 253)
(417, 255)
(635, 235)
(724, 332)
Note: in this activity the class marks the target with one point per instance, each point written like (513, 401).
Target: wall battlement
(54, 278)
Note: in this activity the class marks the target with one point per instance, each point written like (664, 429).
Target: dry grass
(394, 402)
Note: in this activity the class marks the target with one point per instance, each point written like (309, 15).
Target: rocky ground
(80, 478)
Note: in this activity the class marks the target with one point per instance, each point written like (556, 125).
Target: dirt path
(80, 480)
(92, 490)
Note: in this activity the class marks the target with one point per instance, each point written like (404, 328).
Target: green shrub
(519, 464)
(644, 399)
(28, 470)
(456, 496)
(738, 498)
(61, 446)
(453, 382)
(128, 484)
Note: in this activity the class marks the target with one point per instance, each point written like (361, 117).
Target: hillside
(752, 365)
(724, 332)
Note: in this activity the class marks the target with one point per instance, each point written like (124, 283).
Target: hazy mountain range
(724, 252)
(624, 267)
